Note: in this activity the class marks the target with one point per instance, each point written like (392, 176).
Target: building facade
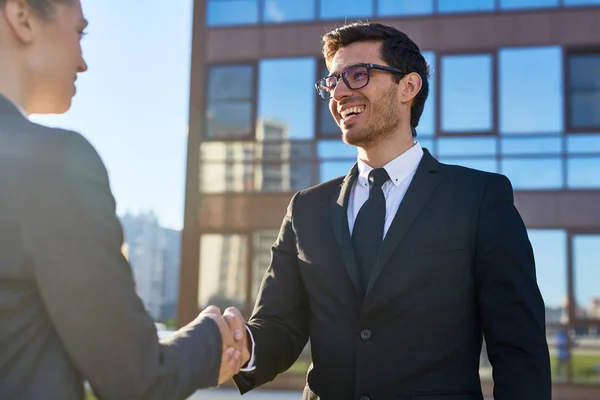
(514, 89)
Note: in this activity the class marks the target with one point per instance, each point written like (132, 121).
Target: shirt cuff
(251, 366)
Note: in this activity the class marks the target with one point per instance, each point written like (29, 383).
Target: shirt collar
(398, 169)
(16, 106)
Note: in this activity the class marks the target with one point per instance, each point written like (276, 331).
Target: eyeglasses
(355, 77)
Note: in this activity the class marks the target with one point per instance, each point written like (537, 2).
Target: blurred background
(206, 116)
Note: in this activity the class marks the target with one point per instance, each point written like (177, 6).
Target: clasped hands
(236, 346)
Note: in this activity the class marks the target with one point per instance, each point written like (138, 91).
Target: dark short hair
(397, 50)
(43, 8)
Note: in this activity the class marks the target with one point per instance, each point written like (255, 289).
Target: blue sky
(132, 103)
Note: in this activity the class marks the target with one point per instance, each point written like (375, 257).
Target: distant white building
(154, 255)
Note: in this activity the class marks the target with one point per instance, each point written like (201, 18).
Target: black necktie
(367, 234)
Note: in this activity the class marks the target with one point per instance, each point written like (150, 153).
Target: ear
(20, 20)
(410, 85)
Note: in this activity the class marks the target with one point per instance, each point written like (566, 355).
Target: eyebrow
(347, 68)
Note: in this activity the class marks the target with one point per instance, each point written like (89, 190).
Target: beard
(386, 117)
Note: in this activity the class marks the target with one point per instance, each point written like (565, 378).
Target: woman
(68, 307)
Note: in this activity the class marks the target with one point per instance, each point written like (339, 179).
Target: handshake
(234, 336)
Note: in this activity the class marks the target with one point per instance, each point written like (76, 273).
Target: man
(397, 270)
(68, 308)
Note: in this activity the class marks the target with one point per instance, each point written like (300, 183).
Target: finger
(236, 322)
(212, 310)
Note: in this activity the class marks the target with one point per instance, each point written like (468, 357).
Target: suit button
(365, 334)
(364, 398)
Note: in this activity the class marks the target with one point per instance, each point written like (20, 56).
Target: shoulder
(464, 177)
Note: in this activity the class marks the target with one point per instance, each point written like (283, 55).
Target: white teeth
(352, 110)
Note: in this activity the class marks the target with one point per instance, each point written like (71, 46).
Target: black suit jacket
(68, 307)
(456, 263)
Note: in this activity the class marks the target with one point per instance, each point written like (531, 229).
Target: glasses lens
(357, 77)
(325, 86)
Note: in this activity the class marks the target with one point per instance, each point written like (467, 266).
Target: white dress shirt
(401, 171)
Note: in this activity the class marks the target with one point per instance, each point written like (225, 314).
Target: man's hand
(237, 325)
(231, 360)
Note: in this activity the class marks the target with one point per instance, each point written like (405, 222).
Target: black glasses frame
(325, 93)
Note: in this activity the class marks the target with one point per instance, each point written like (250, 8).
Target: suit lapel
(339, 212)
(421, 188)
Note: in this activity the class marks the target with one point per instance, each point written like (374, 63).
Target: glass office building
(515, 89)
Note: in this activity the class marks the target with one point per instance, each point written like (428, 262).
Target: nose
(341, 90)
(82, 66)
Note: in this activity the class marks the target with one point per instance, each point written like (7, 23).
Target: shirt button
(365, 334)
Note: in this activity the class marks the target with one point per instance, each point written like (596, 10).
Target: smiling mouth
(351, 112)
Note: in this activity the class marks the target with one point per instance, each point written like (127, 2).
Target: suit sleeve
(74, 241)
(511, 306)
(280, 321)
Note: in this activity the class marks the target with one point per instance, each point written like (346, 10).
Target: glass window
(283, 177)
(550, 252)
(426, 144)
(262, 242)
(466, 146)
(226, 151)
(231, 12)
(570, 3)
(389, 8)
(291, 79)
(518, 4)
(229, 105)
(530, 90)
(223, 271)
(551, 145)
(586, 253)
(334, 169)
(533, 173)
(341, 9)
(327, 124)
(331, 149)
(227, 177)
(282, 11)
(481, 164)
(466, 91)
(451, 6)
(584, 90)
(583, 143)
(427, 121)
(583, 173)
(284, 150)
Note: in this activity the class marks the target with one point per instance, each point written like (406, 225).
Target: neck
(382, 153)
(12, 83)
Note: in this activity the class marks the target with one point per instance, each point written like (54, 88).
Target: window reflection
(580, 2)
(530, 98)
(229, 104)
(283, 177)
(551, 145)
(404, 7)
(284, 150)
(335, 149)
(586, 253)
(427, 122)
(227, 177)
(583, 173)
(449, 6)
(517, 4)
(533, 173)
(231, 12)
(334, 169)
(226, 151)
(223, 271)
(467, 146)
(583, 143)
(584, 90)
(341, 9)
(481, 164)
(292, 79)
(456, 95)
(282, 11)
